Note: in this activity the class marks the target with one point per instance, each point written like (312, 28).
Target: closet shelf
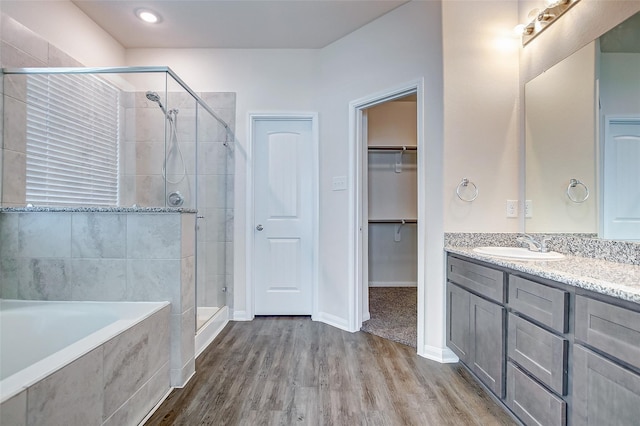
(393, 220)
(392, 148)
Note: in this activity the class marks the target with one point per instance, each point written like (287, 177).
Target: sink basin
(520, 253)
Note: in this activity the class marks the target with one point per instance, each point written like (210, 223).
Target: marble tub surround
(117, 383)
(614, 279)
(96, 209)
(581, 245)
(71, 254)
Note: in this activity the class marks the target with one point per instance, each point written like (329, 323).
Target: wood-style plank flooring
(291, 370)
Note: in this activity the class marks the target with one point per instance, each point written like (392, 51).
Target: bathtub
(82, 362)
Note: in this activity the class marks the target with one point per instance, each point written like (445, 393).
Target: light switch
(339, 183)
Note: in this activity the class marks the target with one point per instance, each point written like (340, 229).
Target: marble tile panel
(180, 376)
(126, 358)
(68, 396)
(219, 99)
(212, 158)
(98, 235)
(45, 235)
(213, 290)
(214, 188)
(13, 57)
(127, 194)
(159, 331)
(153, 236)
(13, 412)
(183, 328)
(98, 279)
(9, 223)
(128, 160)
(58, 58)
(188, 283)
(215, 258)
(15, 86)
(188, 234)
(9, 277)
(149, 125)
(140, 404)
(15, 125)
(149, 157)
(202, 224)
(14, 178)
(44, 279)
(24, 39)
(150, 190)
(154, 280)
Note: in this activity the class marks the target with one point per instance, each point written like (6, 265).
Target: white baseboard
(240, 316)
(211, 329)
(333, 321)
(441, 355)
(393, 284)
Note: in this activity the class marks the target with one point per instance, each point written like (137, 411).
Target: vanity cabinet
(476, 322)
(606, 359)
(554, 354)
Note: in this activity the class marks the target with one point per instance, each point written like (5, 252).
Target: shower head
(154, 97)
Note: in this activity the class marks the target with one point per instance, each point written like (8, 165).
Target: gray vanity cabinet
(475, 323)
(606, 375)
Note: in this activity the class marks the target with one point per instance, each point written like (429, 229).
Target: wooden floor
(288, 371)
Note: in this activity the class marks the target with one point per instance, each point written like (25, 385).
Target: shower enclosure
(131, 138)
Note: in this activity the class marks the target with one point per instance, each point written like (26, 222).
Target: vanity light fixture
(147, 16)
(542, 19)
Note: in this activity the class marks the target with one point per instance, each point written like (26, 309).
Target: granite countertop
(620, 280)
(98, 209)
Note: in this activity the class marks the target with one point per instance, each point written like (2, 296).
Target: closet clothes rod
(392, 148)
(393, 221)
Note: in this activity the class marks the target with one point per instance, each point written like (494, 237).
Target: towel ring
(463, 184)
(572, 184)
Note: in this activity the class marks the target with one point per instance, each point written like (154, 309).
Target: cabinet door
(458, 321)
(604, 393)
(487, 343)
(488, 282)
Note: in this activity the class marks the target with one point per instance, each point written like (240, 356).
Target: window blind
(72, 140)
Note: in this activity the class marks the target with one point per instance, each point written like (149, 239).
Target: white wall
(62, 24)
(481, 113)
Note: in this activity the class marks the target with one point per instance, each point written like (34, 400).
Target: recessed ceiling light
(148, 16)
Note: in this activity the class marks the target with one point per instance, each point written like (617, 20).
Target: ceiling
(234, 24)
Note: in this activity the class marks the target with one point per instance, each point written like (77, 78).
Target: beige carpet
(394, 314)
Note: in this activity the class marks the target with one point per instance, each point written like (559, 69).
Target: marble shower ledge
(97, 210)
(618, 280)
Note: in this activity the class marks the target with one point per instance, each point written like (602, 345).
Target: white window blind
(72, 140)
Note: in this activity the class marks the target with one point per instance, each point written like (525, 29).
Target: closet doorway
(390, 219)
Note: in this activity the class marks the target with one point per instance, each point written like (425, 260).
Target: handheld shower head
(154, 97)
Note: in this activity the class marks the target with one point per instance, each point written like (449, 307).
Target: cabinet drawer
(479, 279)
(547, 305)
(541, 353)
(604, 393)
(609, 328)
(531, 402)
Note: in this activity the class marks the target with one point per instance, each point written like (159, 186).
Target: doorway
(284, 209)
(389, 274)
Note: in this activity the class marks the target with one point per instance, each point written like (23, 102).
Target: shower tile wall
(20, 47)
(106, 257)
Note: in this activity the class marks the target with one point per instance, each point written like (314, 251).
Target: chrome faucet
(535, 245)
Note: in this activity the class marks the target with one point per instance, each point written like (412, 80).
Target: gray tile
(15, 125)
(188, 234)
(126, 358)
(180, 376)
(9, 277)
(98, 235)
(153, 236)
(188, 283)
(13, 412)
(154, 280)
(45, 234)
(58, 58)
(149, 157)
(15, 86)
(13, 57)
(159, 339)
(150, 190)
(9, 223)
(70, 396)
(98, 279)
(14, 174)
(44, 279)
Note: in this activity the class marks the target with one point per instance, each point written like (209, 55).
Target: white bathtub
(39, 338)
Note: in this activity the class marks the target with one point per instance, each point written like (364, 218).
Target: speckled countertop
(98, 209)
(619, 280)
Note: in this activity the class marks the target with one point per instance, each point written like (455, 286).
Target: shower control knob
(259, 227)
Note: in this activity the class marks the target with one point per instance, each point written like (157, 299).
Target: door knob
(259, 228)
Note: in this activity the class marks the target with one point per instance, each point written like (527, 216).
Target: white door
(621, 199)
(283, 215)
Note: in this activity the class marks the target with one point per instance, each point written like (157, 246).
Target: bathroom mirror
(582, 138)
